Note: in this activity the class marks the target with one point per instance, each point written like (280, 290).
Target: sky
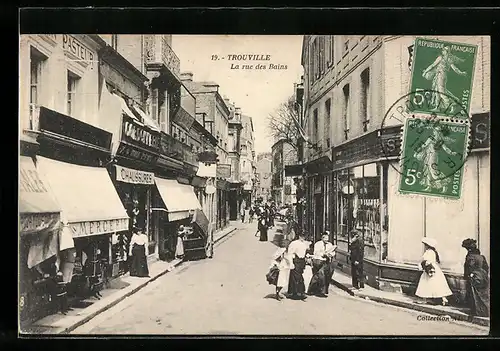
(257, 91)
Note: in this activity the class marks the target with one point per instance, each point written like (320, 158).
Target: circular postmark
(434, 137)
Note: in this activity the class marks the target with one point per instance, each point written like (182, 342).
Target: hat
(469, 244)
(430, 242)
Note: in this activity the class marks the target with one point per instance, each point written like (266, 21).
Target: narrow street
(229, 295)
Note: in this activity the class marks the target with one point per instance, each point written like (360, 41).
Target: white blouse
(320, 248)
(298, 248)
(140, 239)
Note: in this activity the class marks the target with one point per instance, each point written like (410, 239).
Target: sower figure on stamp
(356, 255)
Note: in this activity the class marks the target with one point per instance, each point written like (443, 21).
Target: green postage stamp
(442, 77)
(433, 156)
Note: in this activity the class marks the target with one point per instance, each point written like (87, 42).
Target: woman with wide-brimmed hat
(432, 283)
(476, 273)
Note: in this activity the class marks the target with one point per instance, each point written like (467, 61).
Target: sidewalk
(343, 281)
(119, 289)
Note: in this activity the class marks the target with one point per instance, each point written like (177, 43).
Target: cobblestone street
(229, 295)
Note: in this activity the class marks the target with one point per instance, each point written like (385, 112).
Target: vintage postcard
(221, 185)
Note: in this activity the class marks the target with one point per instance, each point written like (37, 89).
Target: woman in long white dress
(432, 283)
(282, 261)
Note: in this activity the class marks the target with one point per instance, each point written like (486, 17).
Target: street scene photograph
(232, 185)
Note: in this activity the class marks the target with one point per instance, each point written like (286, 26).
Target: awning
(148, 121)
(179, 199)
(38, 208)
(90, 204)
(293, 170)
(319, 165)
(201, 221)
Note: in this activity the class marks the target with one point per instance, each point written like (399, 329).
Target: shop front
(39, 228)
(366, 198)
(133, 175)
(177, 205)
(72, 156)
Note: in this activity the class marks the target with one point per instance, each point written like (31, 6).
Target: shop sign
(223, 171)
(75, 47)
(171, 147)
(136, 134)
(128, 175)
(390, 141)
(480, 131)
(135, 153)
(35, 222)
(98, 227)
(57, 123)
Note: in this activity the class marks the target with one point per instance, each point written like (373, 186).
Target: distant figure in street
(297, 251)
(179, 249)
(247, 214)
(139, 251)
(263, 228)
(322, 267)
(251, 213)
(279, 272)
(432, 283)
(357, 252)
(242, 214)
(476, 273)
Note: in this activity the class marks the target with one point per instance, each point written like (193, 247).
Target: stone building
(350, 82)
(247, 159)
(264, 176)
(283, 188)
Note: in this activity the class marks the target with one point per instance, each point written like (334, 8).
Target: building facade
(96, 118)
(283, 187)
(264, 176)
(349, 84)
(247, 159)
(211, 105)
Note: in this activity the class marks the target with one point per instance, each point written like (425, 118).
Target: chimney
(187, 76)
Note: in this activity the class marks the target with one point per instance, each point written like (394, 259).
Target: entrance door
(318, 216)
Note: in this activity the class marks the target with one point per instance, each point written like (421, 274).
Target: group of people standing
(265, 215)
(289, 263)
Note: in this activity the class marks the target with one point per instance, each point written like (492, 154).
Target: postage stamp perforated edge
(466, 148)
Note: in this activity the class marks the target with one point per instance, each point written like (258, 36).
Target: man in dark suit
(357, 250)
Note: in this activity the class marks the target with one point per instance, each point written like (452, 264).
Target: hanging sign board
(128, 175)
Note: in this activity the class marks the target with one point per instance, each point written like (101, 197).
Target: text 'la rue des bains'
(243, 61)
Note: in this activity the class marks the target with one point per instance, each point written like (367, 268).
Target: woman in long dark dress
(263, 228)
(139, 251)
(297, 251)
(476, 271)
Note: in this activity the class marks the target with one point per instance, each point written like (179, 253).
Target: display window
(361, 204)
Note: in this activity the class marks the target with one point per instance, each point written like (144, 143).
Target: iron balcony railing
(159, 51)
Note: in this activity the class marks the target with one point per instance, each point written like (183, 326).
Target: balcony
(177, 150)
(159, 52)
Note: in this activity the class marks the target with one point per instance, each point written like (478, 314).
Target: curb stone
(225, 234)
(484, 322)
(87, 318)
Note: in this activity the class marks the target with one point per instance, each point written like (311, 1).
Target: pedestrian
(242, 213)
(357, 253)
(432, 283)
(179, 248)
(251, 213)
(139, 251)
(476, 273)
(322, 266)
(279, 271)
(297, 251)
(263, 228)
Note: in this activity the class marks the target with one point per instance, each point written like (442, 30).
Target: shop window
(72, 81)
(359, 206)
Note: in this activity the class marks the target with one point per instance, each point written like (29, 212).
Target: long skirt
(296, 284)
(179, 248)
(322, 276)
(478, 295)
(433, 287)
(263, 234)
(139, 263)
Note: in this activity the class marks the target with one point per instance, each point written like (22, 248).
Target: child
(281, 264)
